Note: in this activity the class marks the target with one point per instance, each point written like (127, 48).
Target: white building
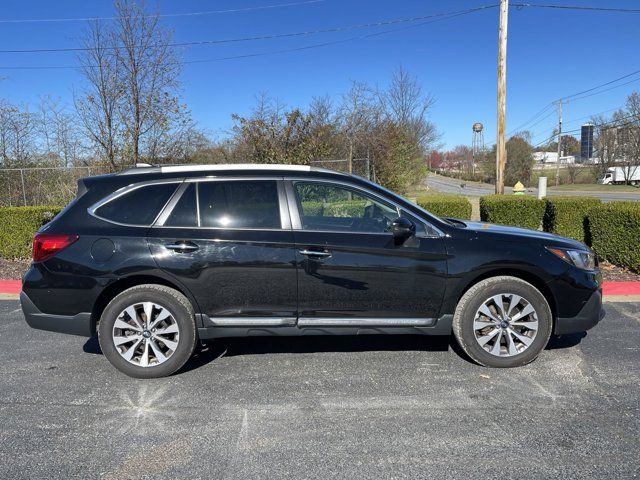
(552, 157)
(545, 157)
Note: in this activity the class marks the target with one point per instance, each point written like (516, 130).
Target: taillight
(45, 245)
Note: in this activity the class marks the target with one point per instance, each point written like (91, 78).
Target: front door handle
(181, 246)
(314, 253)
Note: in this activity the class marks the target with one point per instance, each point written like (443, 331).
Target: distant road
(439, 183)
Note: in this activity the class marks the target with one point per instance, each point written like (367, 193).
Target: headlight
(579, 258)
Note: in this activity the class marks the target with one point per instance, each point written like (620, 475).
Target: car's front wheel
(503, 322)
(148, 331)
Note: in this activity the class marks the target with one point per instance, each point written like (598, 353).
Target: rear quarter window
(139, 206)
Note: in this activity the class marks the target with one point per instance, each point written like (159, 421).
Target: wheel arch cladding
(526, 276)
(122, 284)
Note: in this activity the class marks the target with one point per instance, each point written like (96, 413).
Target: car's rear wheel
(148, 331)
(503, 322)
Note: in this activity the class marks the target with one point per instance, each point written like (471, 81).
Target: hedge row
(566, 216)
(17, 227)
(453, 206)
(613, 229)
(519, 211)
(615, 233)
(569, 216)
(334, 209)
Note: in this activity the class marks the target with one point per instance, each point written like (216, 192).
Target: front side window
(139, 206)
(239, 204)
(421, 227)
(327, 206)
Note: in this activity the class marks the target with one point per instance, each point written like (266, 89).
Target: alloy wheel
(146, 334)
(505, 325)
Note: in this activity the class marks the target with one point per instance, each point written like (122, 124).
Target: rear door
(229, 241)
(349, 265)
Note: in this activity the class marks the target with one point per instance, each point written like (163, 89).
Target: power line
(576, 7)
(580, 95)
(606, 89)
(573, 120)
(533, 118)
(568, 97)
(604, 124)
(593, 115)
(334, 42)
(263, 37)
(166, 15)
(441, 17)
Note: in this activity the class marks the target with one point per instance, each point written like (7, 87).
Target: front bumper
(79, 324)
(588, 317)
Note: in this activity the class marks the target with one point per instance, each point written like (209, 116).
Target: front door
(230, 243)
(350, 266)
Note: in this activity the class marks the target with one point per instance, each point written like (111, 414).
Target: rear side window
(239, 204)
(140, 206)
(184, 214)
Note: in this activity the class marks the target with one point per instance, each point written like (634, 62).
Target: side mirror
(402, 228)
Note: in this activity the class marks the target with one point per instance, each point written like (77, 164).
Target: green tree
(519, 162)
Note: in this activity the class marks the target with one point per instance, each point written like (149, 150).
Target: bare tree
(130, 108)
(408, 106)
(59, 134)
(149, 71)
(18, 134)
(630, 140)
(358, 114)
(97, 103)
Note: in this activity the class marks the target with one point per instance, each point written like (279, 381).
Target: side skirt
(261, 326)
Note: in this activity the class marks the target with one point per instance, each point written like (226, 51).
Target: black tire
(172, 300)
(473, 299)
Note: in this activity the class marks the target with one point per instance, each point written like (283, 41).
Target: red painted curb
(620, 288)
(13, 287)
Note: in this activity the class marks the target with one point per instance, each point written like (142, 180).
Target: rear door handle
(182, 246)
(314, 253)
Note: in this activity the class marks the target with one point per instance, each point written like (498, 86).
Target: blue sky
(551, 53)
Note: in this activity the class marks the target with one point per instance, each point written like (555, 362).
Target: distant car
(157, 258)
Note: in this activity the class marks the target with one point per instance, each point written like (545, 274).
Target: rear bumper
(588, 317)
(79, 324)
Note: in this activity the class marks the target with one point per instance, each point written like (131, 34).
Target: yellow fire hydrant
(518, 189)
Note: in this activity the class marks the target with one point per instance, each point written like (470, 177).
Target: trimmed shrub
(568, 216)
(615, 233)
(453, 206)
(349, 208)
(18, 225)
(514, 210)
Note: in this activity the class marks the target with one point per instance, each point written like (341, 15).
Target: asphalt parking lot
(363, 407)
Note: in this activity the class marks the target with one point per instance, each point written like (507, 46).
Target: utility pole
(501, 150)
(559, 141)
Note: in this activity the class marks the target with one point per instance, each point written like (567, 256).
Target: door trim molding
(250, 321)
(364, 322)
(314, 322)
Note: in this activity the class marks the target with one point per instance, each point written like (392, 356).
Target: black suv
(158, 258)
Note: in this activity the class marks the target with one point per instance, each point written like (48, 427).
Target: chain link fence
(42, 185)
(58, 185)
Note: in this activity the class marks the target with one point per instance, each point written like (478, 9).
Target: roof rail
(146, 168)
(236, 166)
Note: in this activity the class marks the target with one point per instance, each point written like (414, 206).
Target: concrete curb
(620, 288)
(10, 287)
